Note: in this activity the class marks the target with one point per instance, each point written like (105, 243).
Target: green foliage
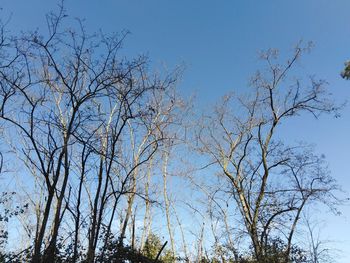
(273, 252)
(346, 72)
(152, 247)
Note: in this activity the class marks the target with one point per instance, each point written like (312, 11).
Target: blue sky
(218, 41)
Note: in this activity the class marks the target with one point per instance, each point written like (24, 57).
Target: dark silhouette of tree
(77, 107)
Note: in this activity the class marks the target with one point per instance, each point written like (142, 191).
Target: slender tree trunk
(131, 197)
(40, 237)
(147, 217)
(166, 200)
(92, 230)
(78, 212)
(51, 250)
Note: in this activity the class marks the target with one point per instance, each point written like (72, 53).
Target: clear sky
(218, 42)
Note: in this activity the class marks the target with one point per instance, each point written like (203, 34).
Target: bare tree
(270, 182)
(71, 99)
(320, 250)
